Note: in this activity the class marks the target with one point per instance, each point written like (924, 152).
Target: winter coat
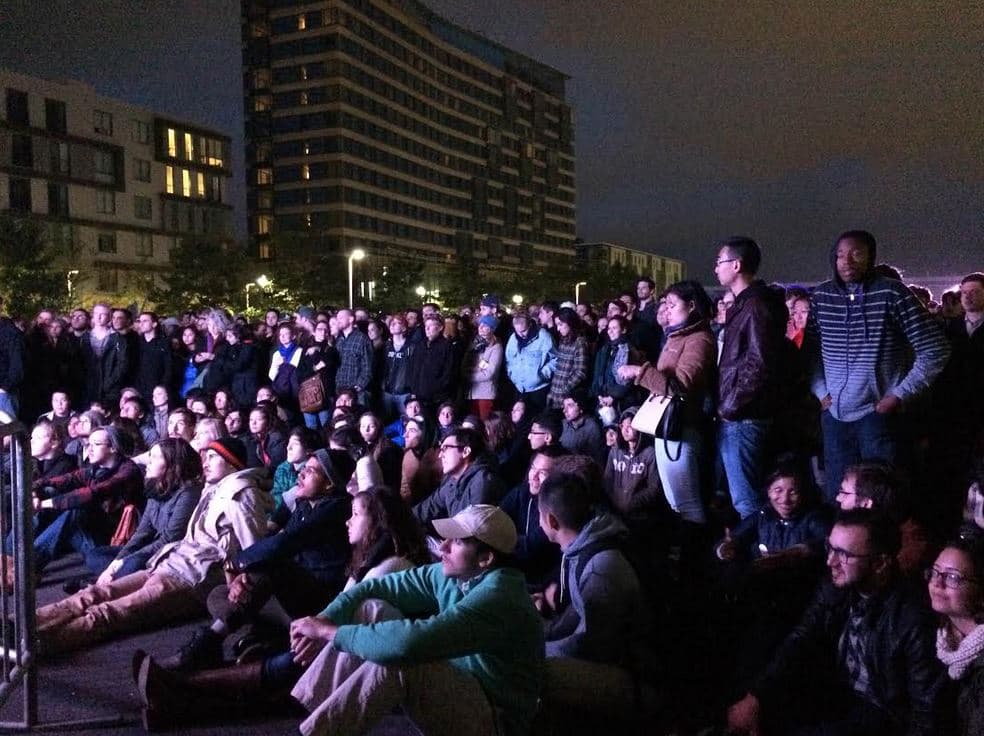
(165, 519)
(477, 484)
(690, 357)
(480, 371)
(571, 371)
(432, 370)
(530, 362)
(154, 366)
(234, 366)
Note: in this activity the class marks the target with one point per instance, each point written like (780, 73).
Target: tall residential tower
(377, 125)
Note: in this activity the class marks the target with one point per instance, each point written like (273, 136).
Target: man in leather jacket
(749, 370)
(863, 658)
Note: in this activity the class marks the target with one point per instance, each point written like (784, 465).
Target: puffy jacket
(750, 372)
(164, 519)
(530, 363)
(900, 650)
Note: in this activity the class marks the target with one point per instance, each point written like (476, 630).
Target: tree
(205, 271)
(29, 280)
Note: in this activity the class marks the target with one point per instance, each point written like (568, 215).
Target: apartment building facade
(116, 185)
(661, 269)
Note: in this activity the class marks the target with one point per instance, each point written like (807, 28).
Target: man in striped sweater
(874, 347)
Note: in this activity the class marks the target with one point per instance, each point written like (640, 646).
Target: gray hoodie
(605, 609)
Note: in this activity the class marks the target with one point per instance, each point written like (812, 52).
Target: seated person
(546, 429)
(265, 446)
(87, 503)
(173, 487)
(61, 410)
(468, 480)
(470, 656)
(874, 485)
(957, 595)
(535, 554)
(594, 639)
(394, 430)
(48, 451)
(421, 469)
(134, 408)
(301, 443)
(863, 657)
(581, 433)
(230, 516)
(384, 538)
(631, 478)
(303, 565)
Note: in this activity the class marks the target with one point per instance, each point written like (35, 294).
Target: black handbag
(671, 426)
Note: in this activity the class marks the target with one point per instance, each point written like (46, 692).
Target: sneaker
(202, 651)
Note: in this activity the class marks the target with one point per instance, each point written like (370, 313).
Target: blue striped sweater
(871, 342)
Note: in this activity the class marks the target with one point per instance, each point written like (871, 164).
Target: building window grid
(106, 242)
(105, 202)
(102, 122)
(143, 208)
(141, 169)
(145, 245)
(141, 131)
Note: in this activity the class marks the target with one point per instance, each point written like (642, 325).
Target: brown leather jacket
(749, 383)
(689, 356)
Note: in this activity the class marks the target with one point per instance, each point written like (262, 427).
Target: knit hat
(490, 300)
(231, 450)
(489, 321)
(337, 465)
(628, 413)
(484, 522)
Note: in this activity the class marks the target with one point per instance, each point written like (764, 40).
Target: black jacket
(154, 366)
(234, 366)
(396, 368)
(905, 676)
(12, 356)
(432, 370)
(326, 354)
(105, 375)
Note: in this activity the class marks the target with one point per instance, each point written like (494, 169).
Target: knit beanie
(233, 451)
(119, 441)
(337, 464)
(489, 321)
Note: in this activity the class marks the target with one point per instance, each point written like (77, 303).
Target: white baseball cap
(485, 522)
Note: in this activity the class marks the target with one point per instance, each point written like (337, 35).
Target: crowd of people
(757, 512)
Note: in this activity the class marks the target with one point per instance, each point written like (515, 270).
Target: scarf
(286, 351)
(959, 658)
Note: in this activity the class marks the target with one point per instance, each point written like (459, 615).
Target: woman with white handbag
(686, 366)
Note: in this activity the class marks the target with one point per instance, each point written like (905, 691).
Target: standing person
(432, 366)
(154, 361)
(956, 591)
(355, 357)
(686, 365)
(749, 371)
(234, 367)
(874, 346)
(648, 301)
(530, 362)
(320, 359)
(571, 372)
(396, 369)
(610, 390)
(283, 369)
(56, 363)
(106, 360)
(481, 368)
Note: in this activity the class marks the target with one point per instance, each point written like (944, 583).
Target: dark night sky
(788, 122)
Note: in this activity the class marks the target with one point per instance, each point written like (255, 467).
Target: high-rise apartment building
(377, 125)
(661, 269)
(121, 184)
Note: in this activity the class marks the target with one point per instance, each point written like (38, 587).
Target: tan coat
(690, 355)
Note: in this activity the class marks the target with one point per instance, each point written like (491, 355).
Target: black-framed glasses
(719, 261)
(442, 448)
(843, 554)
(951, 580)
(532, 433)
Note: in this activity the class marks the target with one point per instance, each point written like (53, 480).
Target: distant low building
(120, 184)
(661, 269)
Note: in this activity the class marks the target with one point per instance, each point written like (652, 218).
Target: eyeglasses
(442, 448)
(533, 434)
(719, 261)
(951, 580)
(842, 554)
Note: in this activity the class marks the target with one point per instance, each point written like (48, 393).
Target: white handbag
(650, 414)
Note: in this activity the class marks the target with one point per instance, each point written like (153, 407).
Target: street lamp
(420, 291)
(262, 281)
(356, 255)
(577, 291)
(68, 279)
(517, 299)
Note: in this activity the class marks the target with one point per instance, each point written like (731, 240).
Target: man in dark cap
(303, 565)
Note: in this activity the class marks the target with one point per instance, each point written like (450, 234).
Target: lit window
(264, 251)
(301, 22)
(185, 182)
(169, 179)
(201, 184)
(304, 98)
(304, 72)
(172, 143)
(307, 221)
(264, 176)
(189, 147)
(307, 148)
(305, 171)
(264, 223)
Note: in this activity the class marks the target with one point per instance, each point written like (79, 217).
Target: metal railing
(17, 595)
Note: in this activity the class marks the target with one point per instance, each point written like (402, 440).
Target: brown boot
(7, 573)
(171, 699)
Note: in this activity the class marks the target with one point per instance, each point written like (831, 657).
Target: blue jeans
(744, 446)
(98, 558)
(872, 437)
(318, 420)
(9, 404)
(72, 530)
(393, 406)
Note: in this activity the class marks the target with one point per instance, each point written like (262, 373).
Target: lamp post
(356, 255)
(262, 281)
(68, 280)
(517, 299)
(577, 291)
